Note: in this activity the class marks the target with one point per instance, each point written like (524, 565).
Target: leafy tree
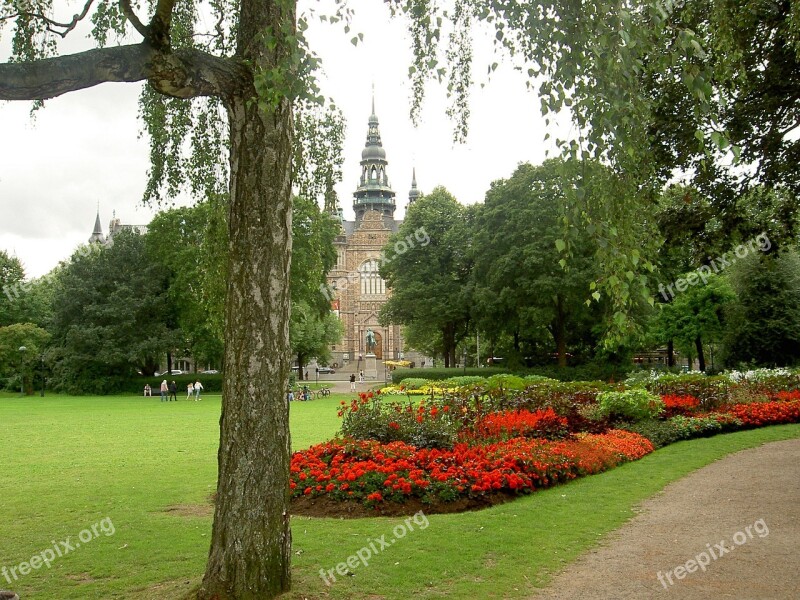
(520, 287)
(112, 316)
(429, 280)
(16, 366)
(312, 335)
(187, 241)
(12, 286)
(697, 315)
(765, 318)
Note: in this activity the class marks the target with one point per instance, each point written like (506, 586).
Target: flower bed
(474, 445)
(758, 414)
(371, 472)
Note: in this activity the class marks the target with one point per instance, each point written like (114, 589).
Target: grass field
(149, 468)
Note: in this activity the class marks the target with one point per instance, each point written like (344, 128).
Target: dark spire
(413, 194)
(97, 234)
(373, 191)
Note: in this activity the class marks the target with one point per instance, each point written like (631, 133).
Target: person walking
(361, 377)
(189, 391)
(198, 387)
(352, 382)
(164, 390)
(173, 391)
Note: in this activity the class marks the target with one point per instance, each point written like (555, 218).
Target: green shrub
(424, 425)
(461, 381)
(635, 404)
(712, 391)
(437, 374)
(413, 383)
(663, 433)
(506, 382)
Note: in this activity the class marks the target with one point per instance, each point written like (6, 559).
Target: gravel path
(747, 503)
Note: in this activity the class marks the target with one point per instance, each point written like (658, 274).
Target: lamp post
(41, 357)
(22, 350)
(465, 361)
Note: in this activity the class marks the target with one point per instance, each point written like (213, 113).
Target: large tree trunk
(671, 353)
(251, 541)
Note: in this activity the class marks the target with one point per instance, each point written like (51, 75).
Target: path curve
(748, 501)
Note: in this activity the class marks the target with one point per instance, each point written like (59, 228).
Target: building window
(340, 258)
(371, 282)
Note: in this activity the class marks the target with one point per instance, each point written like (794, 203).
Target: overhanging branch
(186, 73)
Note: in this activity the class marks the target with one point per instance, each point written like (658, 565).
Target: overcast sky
(84, 148)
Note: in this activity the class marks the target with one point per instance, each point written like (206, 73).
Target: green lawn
(69, 463)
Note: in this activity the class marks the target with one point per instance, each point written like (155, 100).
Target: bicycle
(323, 392)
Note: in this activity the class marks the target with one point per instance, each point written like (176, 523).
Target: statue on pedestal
(370, 340)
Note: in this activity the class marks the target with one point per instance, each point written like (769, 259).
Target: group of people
(305, 394)
(169, 392)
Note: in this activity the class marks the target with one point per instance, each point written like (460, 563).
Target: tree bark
(251, 541)
(701, 357)
(671, 353)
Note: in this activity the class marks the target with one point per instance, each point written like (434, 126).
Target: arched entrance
(378, 350)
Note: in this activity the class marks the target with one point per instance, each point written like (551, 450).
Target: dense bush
(600, 371)
(463, 380)
(663, 433)
(634, 404)
(422, 425)
(413, 383)
(712, 391)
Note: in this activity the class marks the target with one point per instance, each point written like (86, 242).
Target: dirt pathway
(748, 503)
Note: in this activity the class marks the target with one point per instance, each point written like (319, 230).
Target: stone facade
(358, 292)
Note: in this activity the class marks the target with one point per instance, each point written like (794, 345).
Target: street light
(42, 359)
(22, 350)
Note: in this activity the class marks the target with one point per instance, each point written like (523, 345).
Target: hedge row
(588, 372)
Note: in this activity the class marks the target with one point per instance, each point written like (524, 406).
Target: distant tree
(12, 288)
(520, 286)
(312, 335)
(765, 317)
(112, 316)
(188, 242)
(427, 268)
(696, 316)
(16, 366)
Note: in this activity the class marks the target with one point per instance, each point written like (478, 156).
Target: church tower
(97, 235)
(413, 194)
(373, 192)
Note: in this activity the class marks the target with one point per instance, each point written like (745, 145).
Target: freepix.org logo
(420, 238)
(760, 242)
(58, 549)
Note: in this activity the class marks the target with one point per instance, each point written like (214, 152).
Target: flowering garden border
(502, 454)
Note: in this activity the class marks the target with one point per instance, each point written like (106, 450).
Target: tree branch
(127, 10)
(160, 24)
(51, 24)
(186, 73)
